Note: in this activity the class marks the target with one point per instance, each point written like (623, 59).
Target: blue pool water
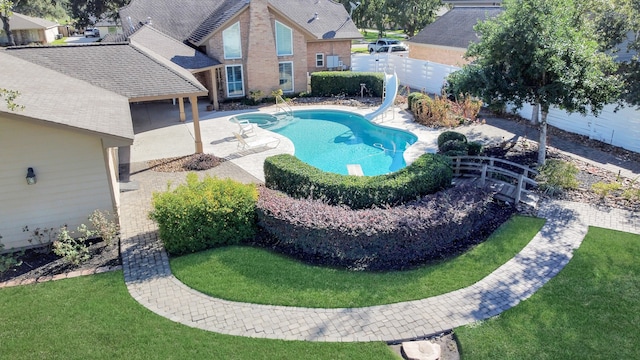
(332, 139)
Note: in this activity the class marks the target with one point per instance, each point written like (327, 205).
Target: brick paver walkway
(151, 283)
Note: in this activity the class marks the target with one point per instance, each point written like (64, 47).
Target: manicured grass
(372, 35)
(258, 276)
(59, 41)
(591, 310)
(94, 317)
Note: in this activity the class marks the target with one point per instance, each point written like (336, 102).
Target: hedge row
(378, 239)
(428, 174)
(332, 83)
(203, 214)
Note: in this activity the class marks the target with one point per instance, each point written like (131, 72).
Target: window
(284, 39)
(235, 86)
(231, 42)
(319, 60)
(286, 76)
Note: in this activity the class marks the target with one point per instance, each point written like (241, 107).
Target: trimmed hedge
(450, 135)
(203, 214)
(428, 174)
(332, 83)
(401, 237)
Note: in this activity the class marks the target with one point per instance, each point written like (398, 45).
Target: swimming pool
(333, 139)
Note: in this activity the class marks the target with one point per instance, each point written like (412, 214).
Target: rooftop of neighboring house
(24, 22)
(195, 20)
(455, 28)
(50, 97)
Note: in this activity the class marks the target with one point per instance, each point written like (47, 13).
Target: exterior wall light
(31, 176)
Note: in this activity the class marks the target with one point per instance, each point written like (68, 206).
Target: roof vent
(315, 16)
(149, 21)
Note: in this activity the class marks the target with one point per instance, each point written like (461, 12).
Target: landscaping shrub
(428, 174)
(332, 83)
(454, 148)
(475, 148)
(441, 111)
(203, 214)
(401, 237)
(200, 162)
(413, 98)
(73, 249)
(556, 176)
(450, 135)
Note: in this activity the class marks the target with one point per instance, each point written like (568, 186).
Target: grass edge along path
(591, 309)
(255, 275)
(94, 317)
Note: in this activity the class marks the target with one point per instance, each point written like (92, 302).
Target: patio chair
(268, 141)
(246, 128)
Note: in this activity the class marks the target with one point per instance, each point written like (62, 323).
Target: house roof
(455, 28)
(332, 22)
(24, 22)
(170, 49)
(119, 67)
(195, 20)
(51, 97)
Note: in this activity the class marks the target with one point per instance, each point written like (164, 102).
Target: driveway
(79, 39)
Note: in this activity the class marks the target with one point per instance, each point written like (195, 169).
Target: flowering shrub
(378, 238)
(202, 214)
(428, 174)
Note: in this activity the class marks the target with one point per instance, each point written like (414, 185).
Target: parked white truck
(382, 45)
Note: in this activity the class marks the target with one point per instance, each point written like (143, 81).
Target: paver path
(151, 283)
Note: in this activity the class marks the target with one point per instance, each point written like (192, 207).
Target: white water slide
(390, 95)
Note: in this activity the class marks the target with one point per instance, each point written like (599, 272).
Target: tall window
(231, 42)
(319, 60)
(235, 86)
(286, 76)
(284, 39)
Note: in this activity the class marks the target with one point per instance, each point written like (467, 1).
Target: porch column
(196, 123)
(181, 106)
(214, 89)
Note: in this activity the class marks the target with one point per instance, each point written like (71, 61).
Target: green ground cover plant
(94, 317)
(591, 309)
(259, 276)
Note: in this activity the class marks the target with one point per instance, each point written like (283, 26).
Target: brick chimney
(262, 61)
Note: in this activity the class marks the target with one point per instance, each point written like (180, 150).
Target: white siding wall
(72, 180)
(621, 128)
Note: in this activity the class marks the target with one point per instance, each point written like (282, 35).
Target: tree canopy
(539, 52)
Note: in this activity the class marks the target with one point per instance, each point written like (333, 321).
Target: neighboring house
(260, 45)
(30, 30)
(75, 128)
(107, 26)
(446, 40)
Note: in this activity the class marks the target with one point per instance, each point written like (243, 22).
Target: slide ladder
(391, 90)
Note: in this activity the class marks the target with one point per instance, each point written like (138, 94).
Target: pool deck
(159, 134)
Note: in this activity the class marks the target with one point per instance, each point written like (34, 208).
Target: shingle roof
(195, 20)
(153, 41)
(455, 28)
(333, 20)
(118, 67)
(24, 22)
(55, 98)
(177, 19)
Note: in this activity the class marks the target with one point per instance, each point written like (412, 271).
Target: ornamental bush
(427, 174)
(450, 135)
(433, 227)
(203, 214)
(332, 83)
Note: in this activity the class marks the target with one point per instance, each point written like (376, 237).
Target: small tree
(539, 52)
(6, 12)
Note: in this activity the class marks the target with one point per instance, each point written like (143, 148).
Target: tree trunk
(7, 30)
(535, 113)
(542, 143)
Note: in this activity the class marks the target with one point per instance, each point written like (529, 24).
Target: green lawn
(591, 310)
(94, 317)
(255, 275)
(372, 35)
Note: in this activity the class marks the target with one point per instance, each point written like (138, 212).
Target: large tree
(84, 10)
(412, 15)
(539, 52)
(6, 11)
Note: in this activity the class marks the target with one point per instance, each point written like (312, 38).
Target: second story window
(231, 42)
(284, 39)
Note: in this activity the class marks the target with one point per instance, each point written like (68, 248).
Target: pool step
(355, 169)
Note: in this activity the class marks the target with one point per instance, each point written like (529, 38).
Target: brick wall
(340, 48)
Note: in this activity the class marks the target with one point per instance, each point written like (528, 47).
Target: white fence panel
(620, 128)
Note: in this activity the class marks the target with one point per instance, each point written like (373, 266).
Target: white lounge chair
(246, 128)
(269, 141)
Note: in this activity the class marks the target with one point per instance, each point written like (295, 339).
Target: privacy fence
(620, 128)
